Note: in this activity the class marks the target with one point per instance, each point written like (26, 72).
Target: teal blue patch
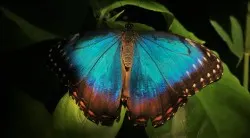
(97, 61)
(161, 60)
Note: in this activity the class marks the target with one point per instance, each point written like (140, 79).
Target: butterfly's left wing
(166, 69)
(93, 67)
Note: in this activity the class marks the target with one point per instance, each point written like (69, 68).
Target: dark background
(67, 17)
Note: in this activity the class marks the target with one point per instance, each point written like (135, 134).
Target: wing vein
(77, 48)
(89, 104)
(165, 47)
(155, 64)
(99, 59)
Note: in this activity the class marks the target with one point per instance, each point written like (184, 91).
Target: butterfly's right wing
(95, 74)
(166, 69)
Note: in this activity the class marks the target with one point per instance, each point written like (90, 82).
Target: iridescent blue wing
(93, 68)
(166, 69)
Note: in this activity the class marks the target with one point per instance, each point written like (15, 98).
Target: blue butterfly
(151, 73)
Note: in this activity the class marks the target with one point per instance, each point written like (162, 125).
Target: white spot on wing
(208, 54)
(194, 85)
(208, 74)
(201, 79)
(205, 58)
(211, 80)
(188, 74)
(218, 66)
(214, 71)
(200, 61)
(194, 66)
(50, 50)
(218, 60)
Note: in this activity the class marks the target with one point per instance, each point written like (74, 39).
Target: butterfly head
(129, 27)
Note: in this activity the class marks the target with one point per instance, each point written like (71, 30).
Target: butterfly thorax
(128, 39)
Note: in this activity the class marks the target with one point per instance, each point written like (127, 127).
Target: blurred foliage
(28, 117)
(247, 32)
(69, 121)
(218, 111)
(207, 114)
(235, 42)
(173, 23)
(24, 29)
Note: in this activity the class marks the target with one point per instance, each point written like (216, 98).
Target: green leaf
(70, 122)
(177, 28)
(149, 5)
(33, 33)
(237, 37)
(112, 19)
(99, 4)
(121, 24)
(218, 111)
(223, 35)
(14, 37)
(236, 45)
(27, 117)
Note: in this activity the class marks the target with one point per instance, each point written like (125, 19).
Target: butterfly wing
(95, 75)
(166, 69)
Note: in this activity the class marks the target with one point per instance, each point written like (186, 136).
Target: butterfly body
(128, 39)
(151, 73)
(127, 49)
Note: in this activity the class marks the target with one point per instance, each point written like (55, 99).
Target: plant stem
(247, 49)
(246, 70)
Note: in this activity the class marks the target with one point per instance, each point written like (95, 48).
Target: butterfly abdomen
(127, 49)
